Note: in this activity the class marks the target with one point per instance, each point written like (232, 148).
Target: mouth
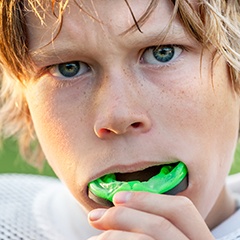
(167, 179)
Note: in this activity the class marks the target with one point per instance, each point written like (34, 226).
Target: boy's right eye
(69, 69)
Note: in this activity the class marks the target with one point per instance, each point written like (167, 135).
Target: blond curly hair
(212, 22)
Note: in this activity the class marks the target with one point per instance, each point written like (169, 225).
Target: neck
(224, 207)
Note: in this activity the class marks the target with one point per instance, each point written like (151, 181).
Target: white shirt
(230, 228)
(41, 208)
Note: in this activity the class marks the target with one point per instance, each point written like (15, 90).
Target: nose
(119, 122)
(121, 110)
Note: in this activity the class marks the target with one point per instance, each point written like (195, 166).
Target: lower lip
(171, 180)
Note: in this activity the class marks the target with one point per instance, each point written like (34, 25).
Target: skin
(127, 112)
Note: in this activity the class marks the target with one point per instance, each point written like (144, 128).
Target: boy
(124, 88)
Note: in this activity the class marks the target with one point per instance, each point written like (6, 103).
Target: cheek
(209, 133)
(199, 122)
(61, 129)
(63, 145)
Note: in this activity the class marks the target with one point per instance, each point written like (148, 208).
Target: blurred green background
(11, 161)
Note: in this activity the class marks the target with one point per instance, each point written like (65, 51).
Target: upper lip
(139, 166)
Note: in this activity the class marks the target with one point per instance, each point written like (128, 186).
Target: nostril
(121, 125)
(136, 124)
(104, 131)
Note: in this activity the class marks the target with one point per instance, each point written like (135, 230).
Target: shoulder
(22, 189)
(14, 180)
(40, 208)
(17, 198)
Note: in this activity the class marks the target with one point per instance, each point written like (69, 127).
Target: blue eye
(161, 55)
(69, 70)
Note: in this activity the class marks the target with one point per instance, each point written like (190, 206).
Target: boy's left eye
(161, 55)
(69, 70)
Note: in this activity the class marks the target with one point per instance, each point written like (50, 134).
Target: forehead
(86, 17)
(94, 28)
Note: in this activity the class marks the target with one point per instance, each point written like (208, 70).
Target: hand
(147, 216)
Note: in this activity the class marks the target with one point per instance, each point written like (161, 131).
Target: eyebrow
(55, 52)
(167, 35)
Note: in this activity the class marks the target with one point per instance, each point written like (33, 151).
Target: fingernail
(96, 214)
(122, 197)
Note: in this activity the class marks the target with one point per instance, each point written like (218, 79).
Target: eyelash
(175, 50)
(79, 68)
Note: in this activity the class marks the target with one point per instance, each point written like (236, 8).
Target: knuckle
(115, 216)
(116, 211)
(184, 203)
(158, 223)
(163, 223)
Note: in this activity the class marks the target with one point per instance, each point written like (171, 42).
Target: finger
(120, 235)
(135, 221)
(178, 210)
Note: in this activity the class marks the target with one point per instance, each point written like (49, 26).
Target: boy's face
(118, 105)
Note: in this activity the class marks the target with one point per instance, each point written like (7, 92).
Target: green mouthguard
(168, 178)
